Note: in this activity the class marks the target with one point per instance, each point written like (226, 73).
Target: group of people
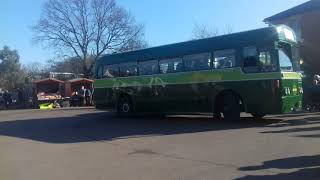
(82, 97)
(7, 98)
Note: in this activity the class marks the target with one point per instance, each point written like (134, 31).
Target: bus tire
(124, 106)
(258, 115)
(231, 107)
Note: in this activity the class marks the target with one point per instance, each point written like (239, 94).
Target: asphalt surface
(85, 144)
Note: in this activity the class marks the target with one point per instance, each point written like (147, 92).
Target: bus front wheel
(231, 107)
(125, 106)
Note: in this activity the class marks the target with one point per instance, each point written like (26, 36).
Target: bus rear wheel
(125, 106)
(231, 107)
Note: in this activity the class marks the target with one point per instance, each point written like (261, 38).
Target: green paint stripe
(225, 75)
(291, 75)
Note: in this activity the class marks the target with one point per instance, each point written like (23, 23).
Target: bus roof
(247, 38)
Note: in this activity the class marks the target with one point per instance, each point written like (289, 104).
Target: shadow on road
(293, 127)
(308, 168)
(104, 126)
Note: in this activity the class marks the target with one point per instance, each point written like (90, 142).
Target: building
(64, 76)
(304, 20)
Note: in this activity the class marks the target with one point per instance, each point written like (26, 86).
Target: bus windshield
(288, 58)
(285, 61)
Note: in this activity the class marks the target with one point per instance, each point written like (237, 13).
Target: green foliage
(11, 75)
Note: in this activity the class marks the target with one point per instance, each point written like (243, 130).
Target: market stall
(80, 91)
(49, 91)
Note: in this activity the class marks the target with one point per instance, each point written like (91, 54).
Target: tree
(70, 65)
(87, 28)
(11, 75)
(35, 68)
(201, 31)
(35, 71)
(134, 43)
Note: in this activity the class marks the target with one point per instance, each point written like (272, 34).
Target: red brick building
(304, 19)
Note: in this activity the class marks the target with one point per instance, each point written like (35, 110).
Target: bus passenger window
(197, 62)
(128, 69)
(99, 72)
(111, 71)
(250, 60)
(171, 65)
(266, 63)
(224, 59)
(148, 67)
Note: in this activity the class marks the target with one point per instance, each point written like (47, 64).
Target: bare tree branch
(201, 31)
(88, 28)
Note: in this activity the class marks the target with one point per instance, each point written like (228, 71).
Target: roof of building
(306, 7)
(79, 80)
(48, 80)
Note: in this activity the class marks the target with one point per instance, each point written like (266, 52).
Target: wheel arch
(218, 99)
(124, 95)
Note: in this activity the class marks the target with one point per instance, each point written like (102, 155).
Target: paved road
(85, 144)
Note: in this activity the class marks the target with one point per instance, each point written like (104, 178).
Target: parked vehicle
(255, 72)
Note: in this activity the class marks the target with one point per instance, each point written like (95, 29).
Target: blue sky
(166, 21)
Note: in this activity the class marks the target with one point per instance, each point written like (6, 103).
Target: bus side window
(266, 62)
(128, 69)
(148, 67)
(111, 71)
(250, 60)
(197, 62)
(100, 72)
(171, 65)
(224, 59)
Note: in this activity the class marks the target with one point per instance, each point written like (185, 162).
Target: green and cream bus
(255, 72)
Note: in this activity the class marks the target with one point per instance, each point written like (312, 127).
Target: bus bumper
(291, 104)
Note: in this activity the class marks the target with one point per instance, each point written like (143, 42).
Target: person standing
(6, 98)
(20, 97)
(83, 95)
(88, 97)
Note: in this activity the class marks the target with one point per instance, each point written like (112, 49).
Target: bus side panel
(192, 92)
(187, 98)
(104, 93)
(99, 97)
(257, 95)
(261, 96)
